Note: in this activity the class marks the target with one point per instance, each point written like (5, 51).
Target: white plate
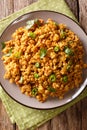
(12, 89)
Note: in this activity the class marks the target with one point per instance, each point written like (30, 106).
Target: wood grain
(83, 14)
(60, 122)
(83, 22)
(84, 114)
(19, 4)
(75, 117)
(69, 119)
(73, 4)
(6, 8)
(5, 123)
(46, 126)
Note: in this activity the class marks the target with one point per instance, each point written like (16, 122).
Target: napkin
(24, 117)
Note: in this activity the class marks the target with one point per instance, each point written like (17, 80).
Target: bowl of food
(43, 59)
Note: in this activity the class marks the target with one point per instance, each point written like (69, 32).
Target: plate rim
(77, 23)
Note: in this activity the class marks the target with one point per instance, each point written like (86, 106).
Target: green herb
(17, 54)
(65, 78)
(55, 23)
(70, 62)
(65, 47)
(43, 52)
(62, 34)
(3, 45)
(32, 35)
(29, 23)
(37, 22)
(69, 51)
(50, 89)
(56, 48)
(37, 64)
(68, 67)
(36, 75)
(70, 42)
(21, 80)
(9, 53)
(34, 91)
(52, 77)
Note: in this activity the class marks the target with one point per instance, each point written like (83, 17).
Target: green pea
(69, 51)
(37, 64)
(52, 77)
(36, 75)
(56, 48)
(51, 89)
(65, 78)
(34, 91)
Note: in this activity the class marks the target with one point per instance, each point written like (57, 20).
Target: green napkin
(27, 118)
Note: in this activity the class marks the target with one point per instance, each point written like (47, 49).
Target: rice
(44, 60)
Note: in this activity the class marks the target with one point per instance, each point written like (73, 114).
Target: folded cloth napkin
(27, 118)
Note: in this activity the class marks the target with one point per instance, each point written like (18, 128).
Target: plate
(12, 90)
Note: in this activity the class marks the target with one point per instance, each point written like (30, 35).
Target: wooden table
(74, 118)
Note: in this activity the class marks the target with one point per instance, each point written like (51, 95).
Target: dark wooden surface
(74, 118)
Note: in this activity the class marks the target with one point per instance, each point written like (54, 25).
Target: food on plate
(45, 59)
